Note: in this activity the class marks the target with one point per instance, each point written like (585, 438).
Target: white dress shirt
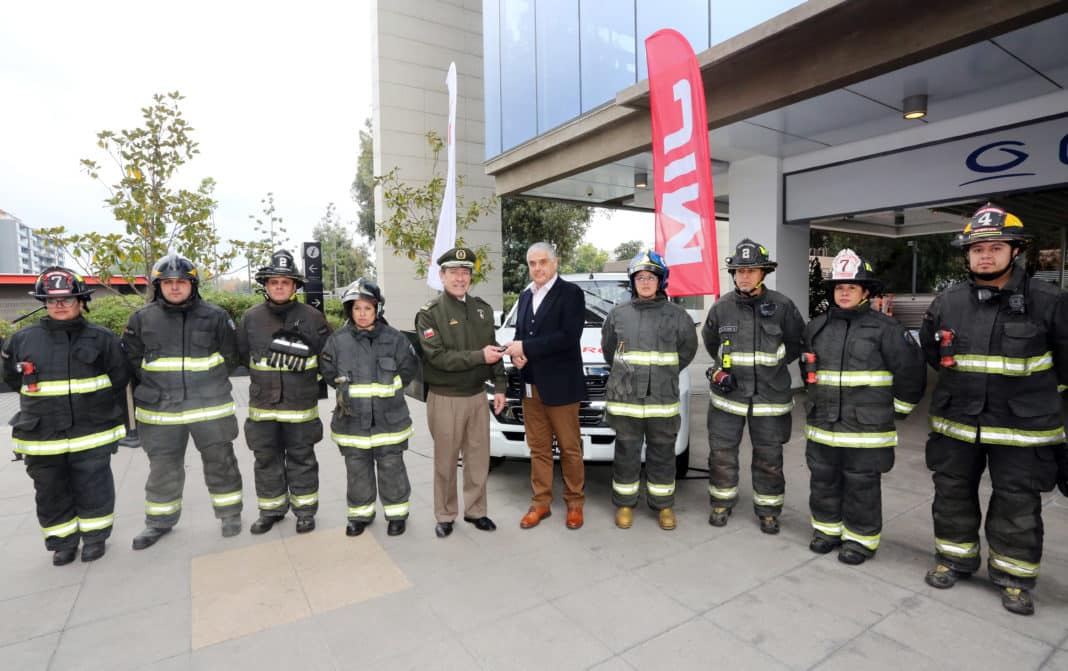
(538, 295)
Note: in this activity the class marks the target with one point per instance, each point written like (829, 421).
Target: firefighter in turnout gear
(280, 340)
(866, 368)
(646, 342)
(999, 342)
(182, 350)
(753, 334)
(71, 376)
(369, 363)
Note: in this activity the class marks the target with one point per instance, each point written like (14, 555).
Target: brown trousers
(542, 422)
(459, 425)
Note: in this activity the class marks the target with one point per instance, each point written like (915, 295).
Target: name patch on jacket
(728, 328)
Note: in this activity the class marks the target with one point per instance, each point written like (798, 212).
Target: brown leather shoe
(533, 517)
(574, 517)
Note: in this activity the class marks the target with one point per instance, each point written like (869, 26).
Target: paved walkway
(548, 598)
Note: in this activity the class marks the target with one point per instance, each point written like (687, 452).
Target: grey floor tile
(126, 641)
(828, 585)
(1058, 661)
(299, 645)
(444, 653)
(387, 626)
(616, 663)
(37, 614)
(113, 587)
(31, 653)
(472, 597)
(698, 645)
(873, 652)
(179, 662)
(539, 638)
(27, 568)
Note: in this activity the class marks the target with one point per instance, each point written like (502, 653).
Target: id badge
(530, 393)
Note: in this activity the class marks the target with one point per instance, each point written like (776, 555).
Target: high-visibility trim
(642, 411)
(742, 409)
(285, 416)
(87, 524)
(768, 499)
(1062, 387)
(185, 417)
(1003, 365)
(396, 510)
(376, 389)
(83, 385)
(855, 378)
(165, 508)
(186, 363)
(1016, 567)
(227, 499)
(827, 528)
(870, 542)
(626, 488)
(65, 445)
(311, 362)
(376, 440)
(844, 439)
(61, 530)
(723, 493)
(997, 435)
(649, 358)
(956, 549)
(759, 358)
(272, 503)
(362, 511)
(302, 500)
(659, 490)
(903, 407)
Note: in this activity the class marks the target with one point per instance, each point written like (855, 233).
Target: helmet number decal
(746, 252)
(846, 265)
(984, 219)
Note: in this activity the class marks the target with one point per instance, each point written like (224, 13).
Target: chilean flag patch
(429, 333)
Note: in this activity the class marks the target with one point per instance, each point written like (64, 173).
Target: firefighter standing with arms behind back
(999, 342)
(753, 334)
(646, 342)
(71, 376)
(280, 340)
(861, 367)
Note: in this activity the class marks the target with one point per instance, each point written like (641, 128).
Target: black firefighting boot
(149, 536)
(305, 524)
(231, 526)
(851, 556)
(263, 525)
(395, 528)
(719, 515)
(1017, 600)
(92, 551)
(769, 524)
(822, 545)
(64, 557)
(944, 577)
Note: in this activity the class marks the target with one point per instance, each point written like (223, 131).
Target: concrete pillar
(413, 42)
(756, 213)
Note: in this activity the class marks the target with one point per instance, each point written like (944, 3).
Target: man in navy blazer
(548, 351)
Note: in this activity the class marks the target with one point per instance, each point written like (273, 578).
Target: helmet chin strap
(748, 292)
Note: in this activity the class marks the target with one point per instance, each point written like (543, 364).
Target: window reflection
(607, 50)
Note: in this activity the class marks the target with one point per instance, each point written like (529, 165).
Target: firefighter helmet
(849, 268)
(282, 265)
(749, 254)
(649, 260)
(366, 290)
(60, 282)
(990, 223)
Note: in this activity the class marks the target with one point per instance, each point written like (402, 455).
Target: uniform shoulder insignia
(429, 304)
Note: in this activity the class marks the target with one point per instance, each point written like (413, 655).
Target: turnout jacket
(765, 335)
(867, 368)
(1011, 352)
(369, 369)
(646, 343)
(76, 399)
(182, 356)
(277, 393)
(452, 334)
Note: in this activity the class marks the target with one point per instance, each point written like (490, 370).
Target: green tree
(626, 251)
(414, 208)
(344, 261)
(363, 185)
(270, 235)
(525, 221)
(158, 215)
(586, 259)
(818, 299)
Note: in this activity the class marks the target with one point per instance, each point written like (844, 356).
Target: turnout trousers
(767, 434)
(75, 494)
(392, 482)
(658, 434)
(845, 495)
(459, 426)
(286, 470)
(165, 446)
(1014, 516)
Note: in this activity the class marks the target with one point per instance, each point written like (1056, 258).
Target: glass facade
(548, 61)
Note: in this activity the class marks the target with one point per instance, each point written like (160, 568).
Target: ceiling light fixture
(641, 180)
(914, 107)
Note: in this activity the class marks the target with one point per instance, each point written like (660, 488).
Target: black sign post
(313, 288)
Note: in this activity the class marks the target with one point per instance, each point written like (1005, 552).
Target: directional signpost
(313, 288)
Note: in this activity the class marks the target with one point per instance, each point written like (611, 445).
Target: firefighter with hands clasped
(861, 367)
(753, 334)
(182, 350)
(71, 377)
(369, 363)
(280, 340)
(646, 341)
(999, 342)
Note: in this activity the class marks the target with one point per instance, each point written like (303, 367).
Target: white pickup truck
(507, 437)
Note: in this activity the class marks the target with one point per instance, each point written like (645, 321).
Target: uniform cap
(457, 257)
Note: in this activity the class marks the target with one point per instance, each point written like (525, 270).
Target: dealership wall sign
(1017, 158)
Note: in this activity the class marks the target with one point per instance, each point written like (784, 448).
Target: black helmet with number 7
(60, 282)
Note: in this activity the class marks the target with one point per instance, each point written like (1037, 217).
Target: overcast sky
(276, 93)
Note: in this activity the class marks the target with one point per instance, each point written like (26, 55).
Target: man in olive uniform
(460, 353)
(280, 340)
